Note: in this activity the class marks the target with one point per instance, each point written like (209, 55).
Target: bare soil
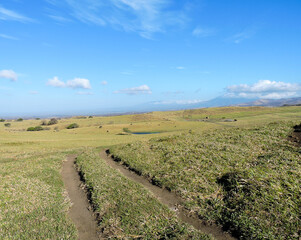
(80, 211)
(170, 199)
(295, 137)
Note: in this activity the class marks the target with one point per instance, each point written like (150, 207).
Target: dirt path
(79, 212)
(169, 199)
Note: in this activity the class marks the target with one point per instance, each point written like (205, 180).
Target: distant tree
(100, 126)
(19, 119)
(38, 118)
(52, 121)
(7, 124)
(73, 125)
(2, 120)
(90, 116)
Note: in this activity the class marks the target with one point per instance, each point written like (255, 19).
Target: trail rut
(170, 199)
(79, 212)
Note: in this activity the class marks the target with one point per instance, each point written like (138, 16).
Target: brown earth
(295, 137)
(80, 211)
(170, 199)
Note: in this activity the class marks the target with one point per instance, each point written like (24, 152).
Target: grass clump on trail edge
(127, 210)
(248, 180)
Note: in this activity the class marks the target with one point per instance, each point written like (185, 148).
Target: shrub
(90, 116)
(73, 125)
(7, 124)
(43, 123)
(37, 128)
(100, 126)
(19, 119)
(52, 121)
(2, 120)
(126, 130)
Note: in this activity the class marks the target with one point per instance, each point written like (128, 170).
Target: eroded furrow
(170, 199)
(79, 212)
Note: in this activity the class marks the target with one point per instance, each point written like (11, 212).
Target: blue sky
(81, 56)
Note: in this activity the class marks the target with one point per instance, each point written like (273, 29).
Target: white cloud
(75, 83)
(55, 82)
(104, 83)
(144, 89)
(8, 37)
(180, 68)
(126, 73)
(60, 18)
(241, 36)
(145, 17)
(264, 89)
(79, 83)
(9, 74)
(179, 102)
(203, 32)
(84, 93)
(9, 15)
(33, 92)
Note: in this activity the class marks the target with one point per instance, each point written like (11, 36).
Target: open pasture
(34, 204)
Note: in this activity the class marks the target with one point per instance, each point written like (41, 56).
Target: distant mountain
(273, 102)
(217, 102)
(223, 101)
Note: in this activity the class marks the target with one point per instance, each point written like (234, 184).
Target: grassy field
(246, 179)
(33, 202)
(114, 196)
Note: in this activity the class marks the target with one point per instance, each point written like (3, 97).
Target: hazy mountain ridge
(272, 102)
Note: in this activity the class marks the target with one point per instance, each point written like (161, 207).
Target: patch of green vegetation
(72, 125)
(2, 120)
(19, 120)
(125, 208)
(33, 203)
(7, 124)
(52, 121)
(126, 130)
(37, 128)
(248, 180)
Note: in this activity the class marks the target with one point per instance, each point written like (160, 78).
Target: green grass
(126, 209)
(33, 204)
(245, 179)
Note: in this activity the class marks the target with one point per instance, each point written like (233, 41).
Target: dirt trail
(79, 212)
(171, 200)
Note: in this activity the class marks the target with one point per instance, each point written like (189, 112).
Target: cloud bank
(144, 89)
(74, 83)
(265, 89)
(9, 74)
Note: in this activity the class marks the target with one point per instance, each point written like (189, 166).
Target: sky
(94, 56)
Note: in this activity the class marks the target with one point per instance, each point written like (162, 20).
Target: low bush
(7, 124)
(52, 121)
(73, 125)
(37, 128)
(126, 130)
(19, 119)
(2, 120)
